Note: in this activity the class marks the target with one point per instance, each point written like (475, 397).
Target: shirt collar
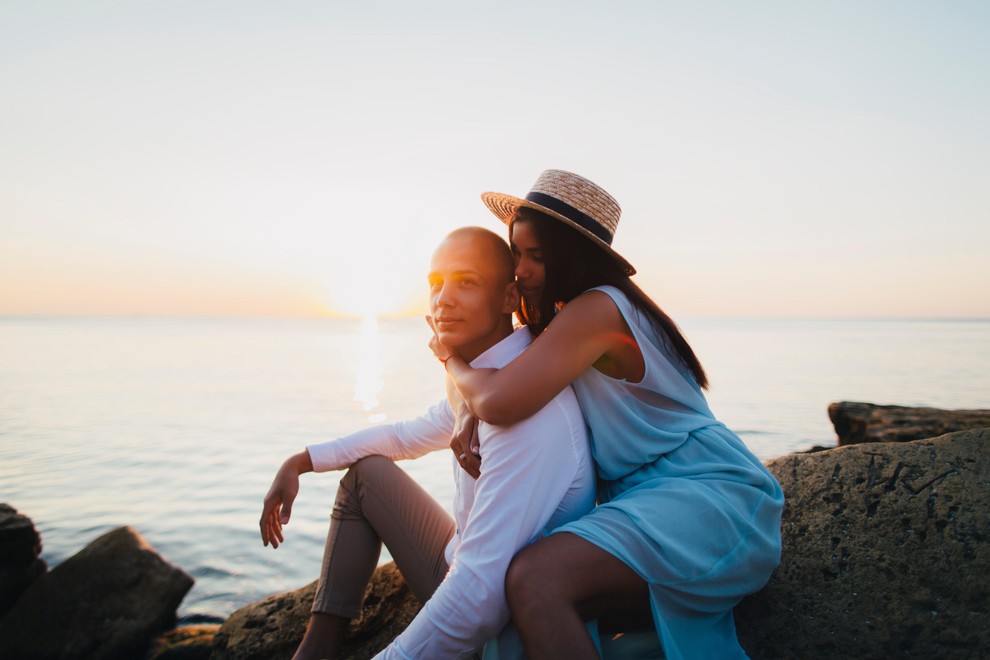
(505, 351)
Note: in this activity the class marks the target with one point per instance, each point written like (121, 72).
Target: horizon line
(410, 315)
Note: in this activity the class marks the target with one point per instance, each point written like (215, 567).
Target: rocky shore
(886, 553)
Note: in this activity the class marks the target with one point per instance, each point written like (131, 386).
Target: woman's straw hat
(572, 199)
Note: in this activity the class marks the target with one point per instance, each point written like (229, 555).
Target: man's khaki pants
(378, 502)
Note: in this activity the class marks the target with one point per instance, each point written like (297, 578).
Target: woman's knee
(516, 577)
(531, 580)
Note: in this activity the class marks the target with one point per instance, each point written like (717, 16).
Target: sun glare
(382, 275)
(364, 297)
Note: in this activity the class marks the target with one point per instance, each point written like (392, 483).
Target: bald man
(536, 475)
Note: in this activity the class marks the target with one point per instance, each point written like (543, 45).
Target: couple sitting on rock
(598, 398)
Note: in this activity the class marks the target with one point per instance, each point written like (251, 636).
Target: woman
(688, 521)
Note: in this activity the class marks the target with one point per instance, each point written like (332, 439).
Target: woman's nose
(521, 270)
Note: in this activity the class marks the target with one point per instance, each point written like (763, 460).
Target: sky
(772, 159)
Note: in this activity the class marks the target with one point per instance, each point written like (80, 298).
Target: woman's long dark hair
(575, 264)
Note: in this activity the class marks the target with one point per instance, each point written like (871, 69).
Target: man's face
(468, 300)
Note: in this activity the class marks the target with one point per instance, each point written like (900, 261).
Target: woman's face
(530, 270)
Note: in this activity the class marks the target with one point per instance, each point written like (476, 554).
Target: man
(535, 476)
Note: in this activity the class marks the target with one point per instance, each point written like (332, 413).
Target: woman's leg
(558, 583)
(377, 501)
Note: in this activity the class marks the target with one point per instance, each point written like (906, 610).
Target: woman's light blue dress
(683, 502)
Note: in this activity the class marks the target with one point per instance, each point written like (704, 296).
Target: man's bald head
(493, 246)
(472, 290)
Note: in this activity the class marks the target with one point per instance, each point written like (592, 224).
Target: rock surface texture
(273, 627)
(107, 601)
(20, 560)
(857, 422)
(186, 643)
(886, 554)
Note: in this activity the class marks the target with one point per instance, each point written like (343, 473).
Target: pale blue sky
(771, 158)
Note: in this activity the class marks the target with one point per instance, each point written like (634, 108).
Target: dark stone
(857, 422)
(273, 627)
(886, 554)
(107, 601)
(20, 560)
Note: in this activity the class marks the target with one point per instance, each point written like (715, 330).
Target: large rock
(107, 601)
(20, 560)
(272, 628)
(857, 422)
(886, 554)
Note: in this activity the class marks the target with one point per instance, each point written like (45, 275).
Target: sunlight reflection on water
(369, 372)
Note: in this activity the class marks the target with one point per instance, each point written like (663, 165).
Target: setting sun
(382, 272)
(378, 280)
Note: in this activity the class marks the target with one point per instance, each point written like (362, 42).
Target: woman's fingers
(469, 461)
(472, 464)
(464, 441)
(475, 441)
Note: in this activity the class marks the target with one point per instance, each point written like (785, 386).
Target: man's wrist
(301, 462)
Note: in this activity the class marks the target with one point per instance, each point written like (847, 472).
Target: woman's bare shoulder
(592, 306)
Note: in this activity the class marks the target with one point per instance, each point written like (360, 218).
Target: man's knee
(367, 469)
(363, 475)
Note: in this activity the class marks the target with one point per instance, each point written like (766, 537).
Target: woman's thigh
(574, 572)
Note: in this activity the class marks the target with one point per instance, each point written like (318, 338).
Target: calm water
(176, 426)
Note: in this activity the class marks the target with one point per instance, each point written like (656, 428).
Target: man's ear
(512, 298)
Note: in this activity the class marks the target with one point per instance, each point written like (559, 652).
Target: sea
(176, 426)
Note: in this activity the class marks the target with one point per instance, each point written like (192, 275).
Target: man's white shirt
(535, 476)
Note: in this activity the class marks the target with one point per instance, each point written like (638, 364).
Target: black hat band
(577, 217)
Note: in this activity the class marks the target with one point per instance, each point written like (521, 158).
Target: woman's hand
(278, 501)
(439, 350)
(464, 441)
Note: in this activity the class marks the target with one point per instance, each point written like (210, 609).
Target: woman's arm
(587, 328)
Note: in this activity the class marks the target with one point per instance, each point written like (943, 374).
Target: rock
(20, 560)
(856, 422)
(185, 643)
(107, 601)
(273, 627)
(886, 553)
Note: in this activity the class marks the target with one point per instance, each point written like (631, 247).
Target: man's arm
(521, 486)
(400, 440)
(278, 502)
(409, 439)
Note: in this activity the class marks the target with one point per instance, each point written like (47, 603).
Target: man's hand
(278, 501)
